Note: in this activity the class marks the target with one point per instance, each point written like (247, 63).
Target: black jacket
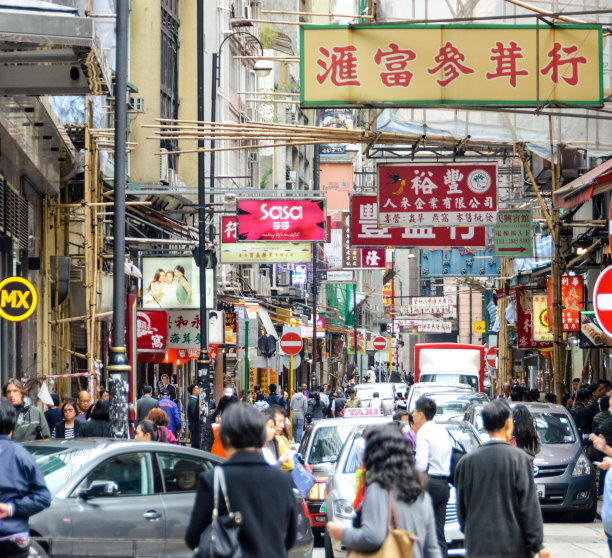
(60, 429)
(267, 531)
(497, 503)
(143, 406)
(94, 429)
(583, 417)
(276, 399)
(223, 403)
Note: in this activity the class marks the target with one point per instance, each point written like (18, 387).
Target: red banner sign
(228, 232)
(151, 331)
(524, 327)
(366, 232)
(281, 220)
(572, 299)
(437, 194)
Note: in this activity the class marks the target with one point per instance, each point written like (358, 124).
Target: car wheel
(37, 550)
(329, 551)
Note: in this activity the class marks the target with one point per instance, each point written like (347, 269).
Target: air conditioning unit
(163, 166)
(242, 9)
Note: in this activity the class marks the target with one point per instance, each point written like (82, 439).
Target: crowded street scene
(305, 278)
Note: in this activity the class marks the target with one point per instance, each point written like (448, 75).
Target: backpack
(457, 454)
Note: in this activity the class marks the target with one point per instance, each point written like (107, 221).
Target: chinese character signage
(351, 257)
(455, 262)
(233, 252)
(592, 335)
(281, 220)
(539, 318)
(151, 331)
(437, 194)
(170, 282)
(572, 300)
(365, 231)
(430, 305)
(524, 330)
(422, 326)
(373, 258)
(513, 233)
(184, 329)
(451, 65)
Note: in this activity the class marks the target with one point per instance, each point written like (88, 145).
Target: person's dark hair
(582, 394)
(427, 406)
(55, 398)
(243, 427)
(515, 395)
(181, 269)
(272, 388)
(8, 416)
(350, 390)
(550, 398)
(389, 461)
(102, 392)
(316, 397)
(190, 388)
(592, 387)
(376, 394)
(68, 401)
(322, 388)
(525, 432)
(576, 380)
(12, 382)
(158, 416)
(495, 414)
(149, 427)
(276, 410)
(534, 394)
(257, 387)
(260, 396)
(400, 414)
(146, 388)
(604, 403)
(101, 410)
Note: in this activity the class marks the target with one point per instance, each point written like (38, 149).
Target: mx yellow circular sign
(18, 299)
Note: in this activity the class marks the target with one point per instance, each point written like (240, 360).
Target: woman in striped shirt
(68, 427)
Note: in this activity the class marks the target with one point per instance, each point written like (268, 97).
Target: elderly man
(506, 391)
(83, 406)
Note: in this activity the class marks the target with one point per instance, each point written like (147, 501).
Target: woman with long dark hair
(525, 435)
(316, 408)
(98, 425)
(390, 472)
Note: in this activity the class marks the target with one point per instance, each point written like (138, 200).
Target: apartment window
(169, 70)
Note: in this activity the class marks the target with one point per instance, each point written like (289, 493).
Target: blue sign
(460, 262)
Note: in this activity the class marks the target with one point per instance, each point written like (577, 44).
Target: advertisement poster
(572, 296)
(281, 220)
(151, 331)
(174, 282)
(592, 335)
(437, 194)
(524, 322)
(366, 233)
(539, 318)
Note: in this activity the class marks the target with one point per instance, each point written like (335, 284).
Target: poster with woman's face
(174, 282)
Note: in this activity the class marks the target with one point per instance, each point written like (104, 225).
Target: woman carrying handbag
(244, 490)
(397, 518)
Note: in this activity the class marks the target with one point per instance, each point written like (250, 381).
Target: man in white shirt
(433, 456)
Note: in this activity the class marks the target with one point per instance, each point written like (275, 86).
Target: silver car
(420, 389)
(341, 488)
(386, 391)
(124, 498)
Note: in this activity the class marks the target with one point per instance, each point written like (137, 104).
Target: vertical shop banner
(514, 233)
(540, 318)
(524, 322)
(281, 220)
(361, 342)
(351, 257)
(151, 331)
(184, 328)
(572, 296)
(388, 295)
(437, 194)
(366, 233)
(230, 328)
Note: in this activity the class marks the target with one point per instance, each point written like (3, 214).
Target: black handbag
(220, 538)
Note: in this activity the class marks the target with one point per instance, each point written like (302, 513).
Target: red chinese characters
(396, 63)
(506, 59)
(340, 66)
(450, 61)
(556, 61)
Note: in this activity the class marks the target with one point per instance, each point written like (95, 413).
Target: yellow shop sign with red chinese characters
(451, 64)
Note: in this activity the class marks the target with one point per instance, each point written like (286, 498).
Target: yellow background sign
(18, 299)
(479, 327)
(454, 64)
(539, 318)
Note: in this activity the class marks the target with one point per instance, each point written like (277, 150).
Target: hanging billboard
(407, 65)
(592, 335)
(437, 194)
(281, 220)
(572, 299)
(174, 282)
(365, 231)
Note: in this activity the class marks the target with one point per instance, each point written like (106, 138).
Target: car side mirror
(99, 489)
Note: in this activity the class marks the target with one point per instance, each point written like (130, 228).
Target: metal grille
(15, 212)
(169, 70)
(550, 471)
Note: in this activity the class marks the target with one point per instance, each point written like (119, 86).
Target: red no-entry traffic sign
(291, 343)
(602, 299)
(491, 357)
(380, 343)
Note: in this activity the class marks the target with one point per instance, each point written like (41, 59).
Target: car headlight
(582, 467)
(344, 508)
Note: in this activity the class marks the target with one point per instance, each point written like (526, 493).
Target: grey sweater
(417, 518)
(495, 487)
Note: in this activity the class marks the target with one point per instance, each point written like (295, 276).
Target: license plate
(541, 490)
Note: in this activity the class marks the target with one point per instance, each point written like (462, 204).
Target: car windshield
(554, 428)
(59, 467)
(471, 381)
(327, 443)
(453, 404)
(366, 393)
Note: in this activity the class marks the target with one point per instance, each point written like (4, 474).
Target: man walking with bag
(298, 406)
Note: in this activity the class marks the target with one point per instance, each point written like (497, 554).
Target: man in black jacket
(274, 398)
(266, 531)
(145, 403)
(225, 401)
(582, 414)
(497, 503)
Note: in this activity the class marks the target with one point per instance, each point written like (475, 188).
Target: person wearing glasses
(69, 427)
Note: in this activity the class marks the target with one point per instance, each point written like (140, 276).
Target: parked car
(385, 390)
(428, 388)
(319, 450)
(341, 487)
(124, 497)
(454, 404)
(564, 475)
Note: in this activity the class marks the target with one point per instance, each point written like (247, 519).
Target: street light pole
(119, 366)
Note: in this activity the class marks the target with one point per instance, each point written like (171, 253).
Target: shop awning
(596, 181)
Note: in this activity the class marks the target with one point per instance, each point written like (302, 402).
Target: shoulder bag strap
(216, 481)
(223, 489)
(393, 519)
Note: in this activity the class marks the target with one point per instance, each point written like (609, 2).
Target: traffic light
(210, 255)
